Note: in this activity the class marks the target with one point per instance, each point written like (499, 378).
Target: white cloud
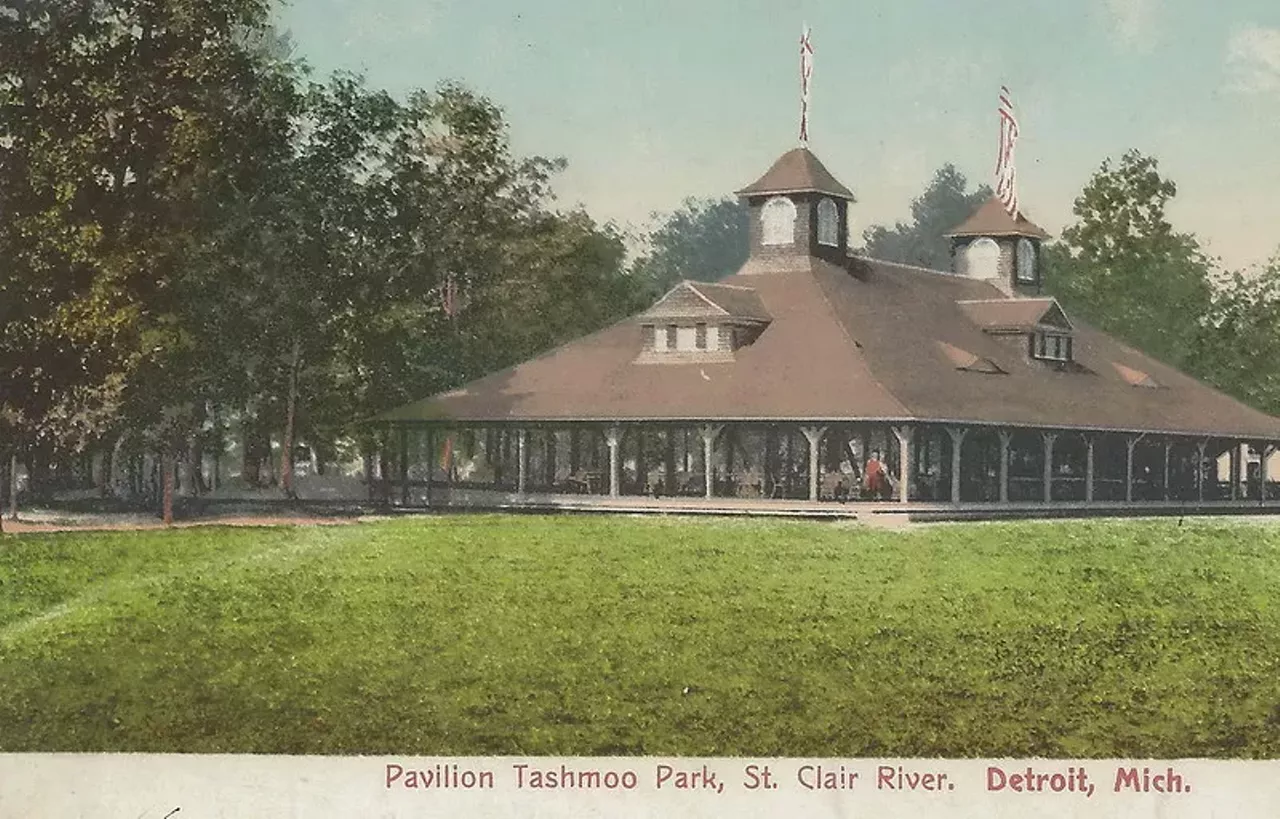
(1253, 60)
(1133, 22)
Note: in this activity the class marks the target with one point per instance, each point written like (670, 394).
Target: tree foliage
(943, 205)
(1238, 344)
(198, 237)
(703, 240)
(1122, 266)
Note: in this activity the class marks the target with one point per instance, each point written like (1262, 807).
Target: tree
(1237, 347)
(943, 206)
(565, 273)
(1123, 267)
(704, 240)
(196, 235)
(124, 123)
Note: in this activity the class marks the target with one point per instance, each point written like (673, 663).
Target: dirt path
(107, 523)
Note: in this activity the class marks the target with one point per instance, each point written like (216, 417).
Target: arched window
(828, 223)
(778, 221)
(1026, 261)
(983, 259)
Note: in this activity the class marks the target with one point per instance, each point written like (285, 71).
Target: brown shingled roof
(735, 301)
(1015, 314)
(797, 171)
(993, 220)
(845, 347)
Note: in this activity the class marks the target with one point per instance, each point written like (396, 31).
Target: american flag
(806, 71)
(1006, 172)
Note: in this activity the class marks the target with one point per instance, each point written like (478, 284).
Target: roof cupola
(799, 209)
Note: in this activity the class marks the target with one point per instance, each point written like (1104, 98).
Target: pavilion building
(973, 386)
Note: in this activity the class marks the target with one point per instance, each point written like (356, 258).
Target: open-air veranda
(431, 464)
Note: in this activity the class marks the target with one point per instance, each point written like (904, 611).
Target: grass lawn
(596, 635)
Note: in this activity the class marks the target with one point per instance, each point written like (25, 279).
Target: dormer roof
(993, 220)
(797, 171)
(1015, 315)
(702, 300)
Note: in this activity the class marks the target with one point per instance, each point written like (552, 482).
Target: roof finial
(1006, 172)
(806, 71)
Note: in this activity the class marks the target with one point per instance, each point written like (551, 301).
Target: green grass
(530, 635)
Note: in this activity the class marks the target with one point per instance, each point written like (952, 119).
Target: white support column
(613, 437)
(1129, 443)
(1244, 471)
(1088, 469)
(448, 461)
(1167, 446)
(905, 435)
(1264, 470)
(709, 435)
(814, 436)
(1200, 448)
(957, 442)
(1234, 463)
(522, 469)
(1006, 438)
(1049, 438)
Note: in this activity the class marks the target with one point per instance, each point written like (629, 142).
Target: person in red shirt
(875, 481)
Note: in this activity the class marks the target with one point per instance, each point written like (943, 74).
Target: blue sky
(652, 101)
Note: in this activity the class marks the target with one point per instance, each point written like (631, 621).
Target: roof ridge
(720, 284)
(1008, 299)
(906, 266)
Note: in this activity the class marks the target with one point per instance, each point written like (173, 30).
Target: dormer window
(1026, 263)
(686, 339)
(778, 222)
(828, 223)
(1051, 347)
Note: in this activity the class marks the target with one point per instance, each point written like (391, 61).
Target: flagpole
(806, 72)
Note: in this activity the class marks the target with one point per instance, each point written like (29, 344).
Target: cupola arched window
(828, 223)
(778, 221)
(983, 259)
(1026, 261)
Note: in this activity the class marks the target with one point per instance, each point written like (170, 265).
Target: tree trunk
(219, 444)
(256, 449)
(13, 486)
(286, 445)
(268, 463)
(195, 455)
(105, 469)
(168, 466)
